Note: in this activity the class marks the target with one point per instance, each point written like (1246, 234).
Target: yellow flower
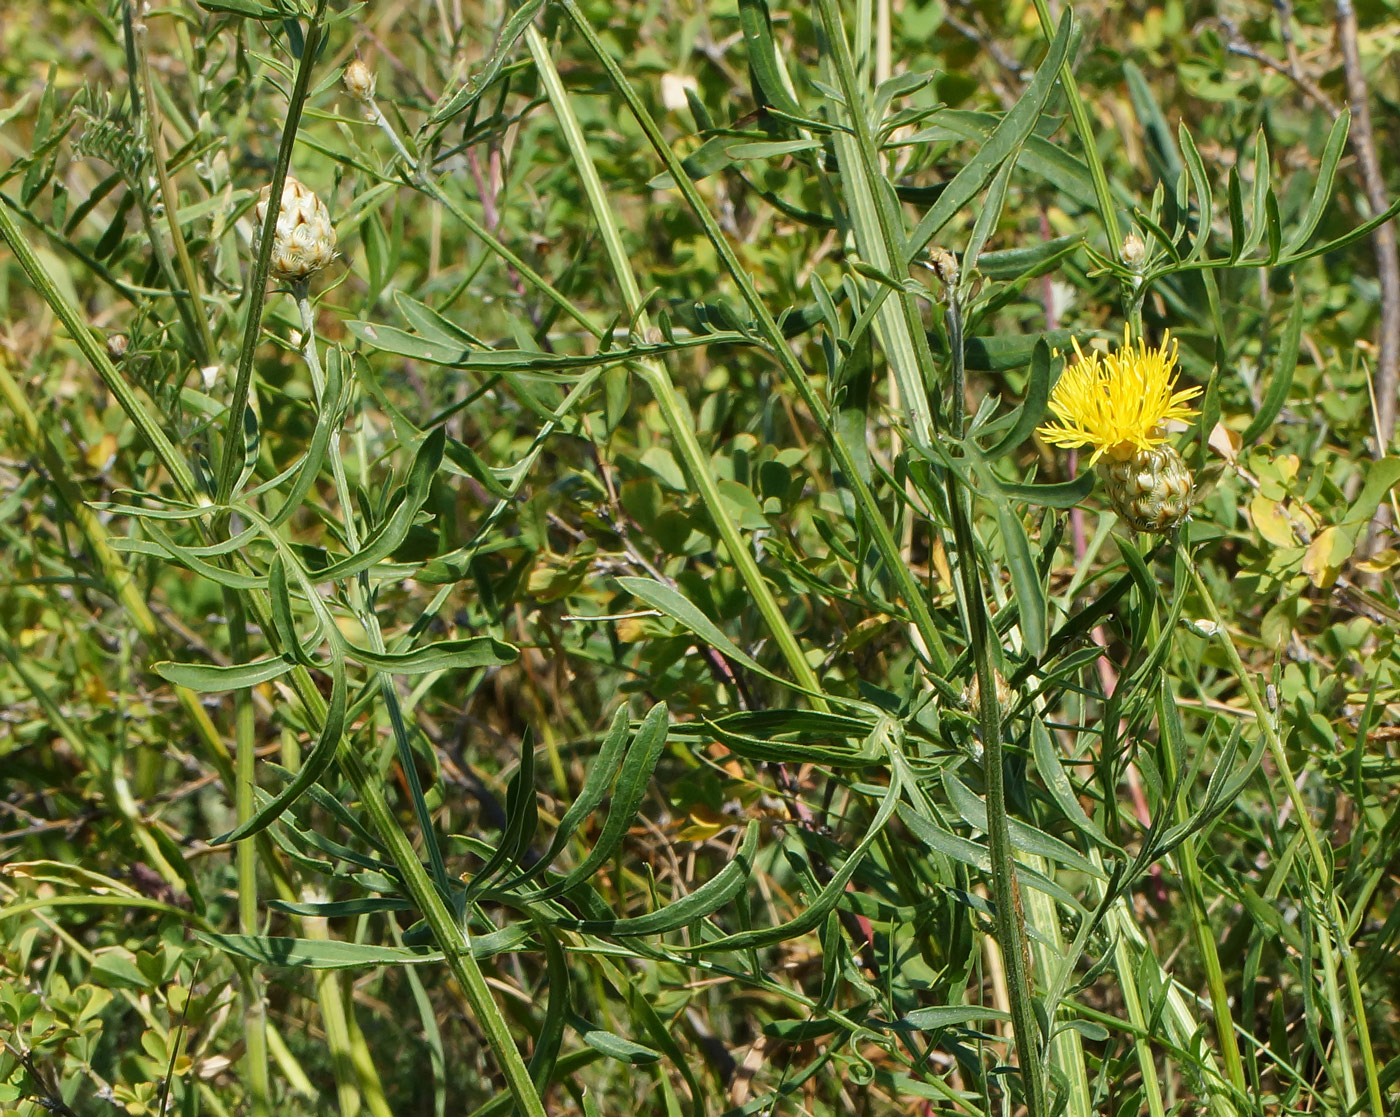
(1119, 403)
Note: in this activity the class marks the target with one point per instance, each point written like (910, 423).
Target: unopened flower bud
(1134, 252)
(972, 695)
(944, 265)
(116, 346)
(359, 81)
(304, 241)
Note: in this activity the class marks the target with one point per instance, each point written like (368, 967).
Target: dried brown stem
(1363, 143)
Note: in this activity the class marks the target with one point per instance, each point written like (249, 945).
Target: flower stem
(1010, 921)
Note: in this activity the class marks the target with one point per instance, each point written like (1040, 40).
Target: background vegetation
(582, 621)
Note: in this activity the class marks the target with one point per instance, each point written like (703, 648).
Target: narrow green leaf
(1285, 364)
(757, 27)
(1331, 156)
(632, 782)
(825, 901)
(946, 1016)
(1032, 408)
(611, 1044)
(1235, 198)
(1025, 578)
(445, 655)
(689, 909)
(394, 530)
(1003, 143)
(595, 789)
(316, 762)
(209, 678)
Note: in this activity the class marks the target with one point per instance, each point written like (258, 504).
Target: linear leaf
(445, 655)
(632, 781)
(1285, 364)
(1003, 143)
(210, 678)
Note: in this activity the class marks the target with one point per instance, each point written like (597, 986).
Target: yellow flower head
(1118, 403)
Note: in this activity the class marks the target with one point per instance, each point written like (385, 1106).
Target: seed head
(304, 241)
(359, 81)
(945, 266)
(1134, 252)
(1120, 403)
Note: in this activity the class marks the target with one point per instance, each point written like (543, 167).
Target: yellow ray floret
(1119, 403)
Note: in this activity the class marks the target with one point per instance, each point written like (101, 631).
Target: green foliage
(614, 642)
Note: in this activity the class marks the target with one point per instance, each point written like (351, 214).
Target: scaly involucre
(304, 242)
(1119, 403)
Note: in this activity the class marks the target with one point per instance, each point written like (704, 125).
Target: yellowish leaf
(1271, 521)
(1380, 562)
(1322, 561)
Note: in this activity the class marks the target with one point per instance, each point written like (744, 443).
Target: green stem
(1010, 921)
(246, 857)
(779, 348)
(1334, 926)
(460, 960)
(255, 294)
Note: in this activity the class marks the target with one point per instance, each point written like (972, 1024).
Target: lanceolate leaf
(445, 655)
(632, 782)
(1003, 144)
(689, 909)
(212, 678)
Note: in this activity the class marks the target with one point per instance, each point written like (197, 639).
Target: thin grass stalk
(910, 590)
(330, 996)
(170, 198)
(1084, 126)
(883, 242)
(246, 859)
(255, 294)
(1048, 956)
(674, 409)
(1194, 889)
(1336, 937)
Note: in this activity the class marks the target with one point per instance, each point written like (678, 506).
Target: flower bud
(945, 266)
(972, 694)
(117, 346)
(304, 241)
(1134, 252)
(1151, 489)
(359, 81)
